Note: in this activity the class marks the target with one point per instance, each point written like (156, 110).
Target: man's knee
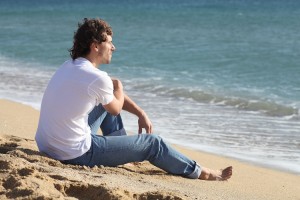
(156, 141)
(157, 146)
(153, 138)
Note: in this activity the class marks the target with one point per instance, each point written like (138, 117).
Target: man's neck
(92, 59)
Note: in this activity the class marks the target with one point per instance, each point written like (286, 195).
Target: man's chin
(106, 62)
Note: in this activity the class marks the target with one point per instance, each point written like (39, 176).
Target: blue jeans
(116, 148)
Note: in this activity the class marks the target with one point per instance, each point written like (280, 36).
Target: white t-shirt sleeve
(102, 89)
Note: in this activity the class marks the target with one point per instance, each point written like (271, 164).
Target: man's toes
(227, 173)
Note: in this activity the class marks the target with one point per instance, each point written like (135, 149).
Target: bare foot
(215, 175)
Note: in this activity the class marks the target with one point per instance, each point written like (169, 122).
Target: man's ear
(94, 47)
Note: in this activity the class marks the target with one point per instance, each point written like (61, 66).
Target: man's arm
(116, 105)
(122, 102)
(132, 107)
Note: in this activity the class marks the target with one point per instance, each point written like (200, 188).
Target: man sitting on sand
(80, 99)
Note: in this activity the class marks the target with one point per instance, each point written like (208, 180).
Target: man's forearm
(130, 106)
(144, 122)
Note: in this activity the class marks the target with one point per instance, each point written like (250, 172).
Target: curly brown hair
(91, 30)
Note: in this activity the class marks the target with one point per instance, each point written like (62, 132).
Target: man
(80, 99)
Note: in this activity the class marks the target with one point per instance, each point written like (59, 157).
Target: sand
(27, 174)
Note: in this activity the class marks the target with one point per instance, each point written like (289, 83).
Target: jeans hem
(196, 173)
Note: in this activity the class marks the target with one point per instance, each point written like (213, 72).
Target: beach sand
(27, 174)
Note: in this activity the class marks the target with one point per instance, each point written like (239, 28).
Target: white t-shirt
(75, 89)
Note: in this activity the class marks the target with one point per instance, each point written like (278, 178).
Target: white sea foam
(246, 136)
(23, 82)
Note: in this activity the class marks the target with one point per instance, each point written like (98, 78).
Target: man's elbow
(115, 107)
(115, 112)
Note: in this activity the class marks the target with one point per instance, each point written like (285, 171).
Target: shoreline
(237, 158)
(249, 181)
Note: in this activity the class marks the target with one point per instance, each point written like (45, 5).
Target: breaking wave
(266, 107)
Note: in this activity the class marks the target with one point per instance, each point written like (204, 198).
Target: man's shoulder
(83, 66)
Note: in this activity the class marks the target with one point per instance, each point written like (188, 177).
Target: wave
(27, 81)
(267, 107)
(23, 82)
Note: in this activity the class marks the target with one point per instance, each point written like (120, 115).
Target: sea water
(213, 75)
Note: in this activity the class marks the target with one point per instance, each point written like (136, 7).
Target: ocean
(213, 75)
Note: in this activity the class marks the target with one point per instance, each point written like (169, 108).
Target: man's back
(73, 91)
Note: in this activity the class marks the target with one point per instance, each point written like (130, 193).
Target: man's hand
(117, 84)
(145, 123)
